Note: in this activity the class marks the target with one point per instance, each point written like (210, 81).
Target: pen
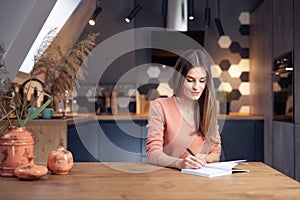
(190, 151)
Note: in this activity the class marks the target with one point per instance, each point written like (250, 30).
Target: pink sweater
(169, 134)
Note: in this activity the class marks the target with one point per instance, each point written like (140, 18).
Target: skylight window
(59, 15)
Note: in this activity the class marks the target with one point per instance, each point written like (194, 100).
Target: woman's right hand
(192, 162)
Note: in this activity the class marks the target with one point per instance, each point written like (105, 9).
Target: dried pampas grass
(3, 70)
(61, 69)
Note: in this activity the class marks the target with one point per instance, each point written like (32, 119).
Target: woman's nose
(196, 85)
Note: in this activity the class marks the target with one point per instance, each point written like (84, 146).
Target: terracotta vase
(30, 171)
(16, 146)
(60, 161)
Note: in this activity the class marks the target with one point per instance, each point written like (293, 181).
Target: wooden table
(104, 181)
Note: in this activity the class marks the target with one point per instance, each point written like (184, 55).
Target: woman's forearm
(161, 159)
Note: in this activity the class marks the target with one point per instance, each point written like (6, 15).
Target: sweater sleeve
(216, 148)
(155, 139)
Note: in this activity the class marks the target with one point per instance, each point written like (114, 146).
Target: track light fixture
(97, 11)
(207, 16)
(191, 10)
(132, 14)
(219, 26)
(218, 22)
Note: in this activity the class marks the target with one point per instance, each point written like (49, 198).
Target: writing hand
(194, 162)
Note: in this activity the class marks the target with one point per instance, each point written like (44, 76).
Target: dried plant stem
(61, 68)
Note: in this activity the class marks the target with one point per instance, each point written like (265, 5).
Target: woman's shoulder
(163, 101)
(163, 106)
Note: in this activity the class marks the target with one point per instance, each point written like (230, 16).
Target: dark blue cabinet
(82, 150)
(243, 139)
(108, 141)
(122, 141)
(125, 140)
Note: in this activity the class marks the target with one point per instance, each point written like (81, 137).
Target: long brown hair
(206, 113)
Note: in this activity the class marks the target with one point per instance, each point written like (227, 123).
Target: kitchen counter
(83, 117)
(100, 137)
(49, 133)
(124, 116)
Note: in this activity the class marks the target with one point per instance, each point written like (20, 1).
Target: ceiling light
(219, 27)
(207, 16)
(132, 14)
(191, 9)
(218, 22)
(97, 11)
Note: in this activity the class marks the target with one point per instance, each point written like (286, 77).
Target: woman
(188, 119)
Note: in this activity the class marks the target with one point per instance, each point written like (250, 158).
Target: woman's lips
(196, 93)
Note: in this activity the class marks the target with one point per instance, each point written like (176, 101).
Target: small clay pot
(30, 171)
(60, 161)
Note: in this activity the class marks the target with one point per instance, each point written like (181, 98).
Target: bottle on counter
(107, 107)
(114, 102)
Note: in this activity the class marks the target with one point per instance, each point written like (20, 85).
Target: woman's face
(194, 83)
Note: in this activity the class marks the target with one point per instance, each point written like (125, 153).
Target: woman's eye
(193, 80)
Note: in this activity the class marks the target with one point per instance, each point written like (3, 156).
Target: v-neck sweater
(169, 134)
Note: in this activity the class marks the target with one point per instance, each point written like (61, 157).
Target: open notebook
(217, 169)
